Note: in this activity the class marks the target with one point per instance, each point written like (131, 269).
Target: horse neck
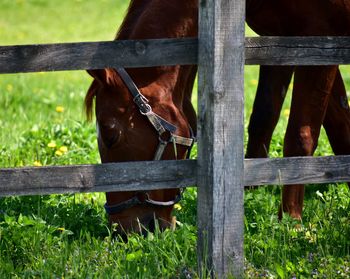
(164, 19)
(155, 19)
(135, 9)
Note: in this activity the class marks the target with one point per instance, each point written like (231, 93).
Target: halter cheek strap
(159, 124)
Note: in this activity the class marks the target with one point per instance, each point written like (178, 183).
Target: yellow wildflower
(61, 229)
(310, 236)
(59, 109)
(177, 206)
(63, 149)
(51, 144)
(9, 87)
(37, 164)
(58, 153)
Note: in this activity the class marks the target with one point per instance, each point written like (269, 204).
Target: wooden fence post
(220, 147)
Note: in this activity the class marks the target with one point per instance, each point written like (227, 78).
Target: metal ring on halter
(150, 201)
(169, 137)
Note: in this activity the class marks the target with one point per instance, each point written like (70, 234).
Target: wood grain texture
(220, 141)
(121, 177)
(147, 53)
(130, 176)
(297, 50)
(97, 55)
(296, 170)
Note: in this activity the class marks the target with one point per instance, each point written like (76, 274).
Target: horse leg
(311, 93)
(337, 118)
(272, 88)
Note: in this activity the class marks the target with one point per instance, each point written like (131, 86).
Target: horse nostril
(109, 140)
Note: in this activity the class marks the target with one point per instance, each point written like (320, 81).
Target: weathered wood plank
(115, 177)
(297, 50)
(130, 176)
(220, 141)
(120, 176)
(146, 53)
(97, 55)
(296, 170)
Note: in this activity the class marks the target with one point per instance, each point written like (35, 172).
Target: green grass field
(67, 236)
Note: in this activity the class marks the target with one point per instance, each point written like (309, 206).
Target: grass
(67, 236)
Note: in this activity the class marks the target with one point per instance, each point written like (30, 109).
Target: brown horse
(126, 134)
(144, 113)
(319, 94)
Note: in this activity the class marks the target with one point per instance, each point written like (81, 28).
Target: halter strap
(136, 200)
(159, 124)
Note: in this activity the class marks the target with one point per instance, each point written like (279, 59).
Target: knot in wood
(140, 48)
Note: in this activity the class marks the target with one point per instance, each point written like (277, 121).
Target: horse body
(319, 94)
(298, 17)
(124, 133)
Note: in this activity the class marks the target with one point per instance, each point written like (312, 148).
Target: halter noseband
(140, 198)
(166, 135)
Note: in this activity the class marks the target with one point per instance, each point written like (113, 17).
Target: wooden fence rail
(130, 176)
(151, 175)
(297, 51)
(147, 53)
(97, 55)
(297, 170)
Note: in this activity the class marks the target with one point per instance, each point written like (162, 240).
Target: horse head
(144, 113)
(148, 126)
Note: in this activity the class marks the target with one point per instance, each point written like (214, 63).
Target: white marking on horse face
(132, 124)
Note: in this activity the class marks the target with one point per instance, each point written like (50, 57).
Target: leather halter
(166, 135)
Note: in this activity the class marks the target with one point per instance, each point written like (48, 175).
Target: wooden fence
(220, 172)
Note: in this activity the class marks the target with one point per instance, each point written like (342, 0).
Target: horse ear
(104, 76)
(100, 75)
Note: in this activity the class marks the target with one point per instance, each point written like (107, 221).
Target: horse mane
(135, 10)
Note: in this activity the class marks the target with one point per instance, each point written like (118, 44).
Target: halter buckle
(142, 103)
